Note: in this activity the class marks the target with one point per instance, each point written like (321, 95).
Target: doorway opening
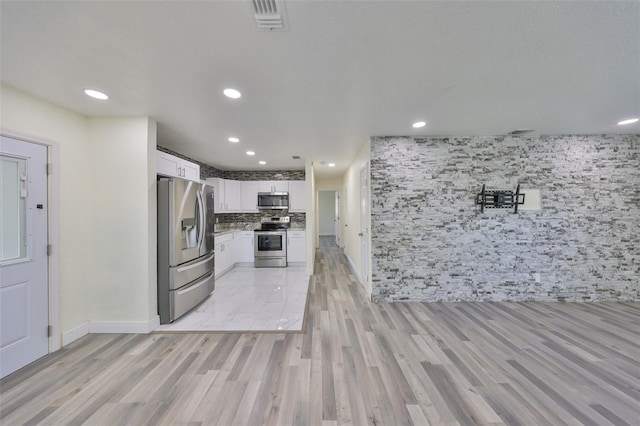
(329, 217)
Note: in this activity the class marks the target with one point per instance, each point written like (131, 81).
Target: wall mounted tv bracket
(499, 199)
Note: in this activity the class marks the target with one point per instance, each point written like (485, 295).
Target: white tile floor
(250, 299)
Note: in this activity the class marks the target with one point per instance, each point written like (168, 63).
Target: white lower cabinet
(296, 247)
(236, 249)
(244, 248)
(225, 253)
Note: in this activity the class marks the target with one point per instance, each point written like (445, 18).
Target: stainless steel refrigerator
(186, 274)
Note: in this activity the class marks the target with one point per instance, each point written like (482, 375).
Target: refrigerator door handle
(195, 265)
(201, 218)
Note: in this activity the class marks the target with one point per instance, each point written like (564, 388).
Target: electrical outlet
(536, 277)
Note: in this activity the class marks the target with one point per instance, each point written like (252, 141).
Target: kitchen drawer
(224, 238)
(297, 234)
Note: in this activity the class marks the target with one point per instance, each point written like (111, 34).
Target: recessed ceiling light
(234, 140)
(262, 162)
(232, 93)
(419, 124)
(96, 94)
(629, 121)
(332, 164)
(251, 153)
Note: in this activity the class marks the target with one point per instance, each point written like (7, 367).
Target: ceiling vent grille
(270, 15)
(519, 132)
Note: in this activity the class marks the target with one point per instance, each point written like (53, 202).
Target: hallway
(355, 363)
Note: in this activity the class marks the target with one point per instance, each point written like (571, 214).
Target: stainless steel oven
(270, 245)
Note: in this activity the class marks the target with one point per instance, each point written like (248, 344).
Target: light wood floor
(356, 363)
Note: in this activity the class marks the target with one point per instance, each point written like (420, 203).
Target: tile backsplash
(251, 221)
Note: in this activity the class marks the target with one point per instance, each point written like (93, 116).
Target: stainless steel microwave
(273, 200)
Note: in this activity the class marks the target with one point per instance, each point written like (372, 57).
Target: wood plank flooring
(356, 363)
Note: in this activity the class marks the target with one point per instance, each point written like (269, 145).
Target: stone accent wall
(431, 243)
(207, 171)
(264, 174)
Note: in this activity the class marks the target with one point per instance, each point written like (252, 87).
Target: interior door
(364, 227)
(337, 218)
(24, 305)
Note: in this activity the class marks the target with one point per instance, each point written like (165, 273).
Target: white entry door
(24, 313)
(364, 227)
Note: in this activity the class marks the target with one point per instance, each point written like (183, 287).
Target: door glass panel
(13, 182)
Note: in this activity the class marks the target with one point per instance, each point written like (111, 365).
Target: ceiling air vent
(270, 15)
(519, 132)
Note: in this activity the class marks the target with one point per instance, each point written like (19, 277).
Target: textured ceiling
(343, 72)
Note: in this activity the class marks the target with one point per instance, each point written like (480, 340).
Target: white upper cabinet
(232, 195)
(273, 186)
(226, 195)
(249, 196)
(170, 165)
(297, 196)
(218, 193)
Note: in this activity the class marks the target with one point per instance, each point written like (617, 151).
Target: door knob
(359, 234)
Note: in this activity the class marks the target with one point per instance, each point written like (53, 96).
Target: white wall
(328, 184)
(312, 233)
(122, 214)
(21, 114)
(326, 212)
(351, 203)
(106, 200)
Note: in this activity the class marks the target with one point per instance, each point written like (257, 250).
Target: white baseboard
(75, 333)
(352, 266)
(355, 271)
(110, 327)
(124, 327)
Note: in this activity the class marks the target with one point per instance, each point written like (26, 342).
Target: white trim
(55, 340)
(75, 333)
